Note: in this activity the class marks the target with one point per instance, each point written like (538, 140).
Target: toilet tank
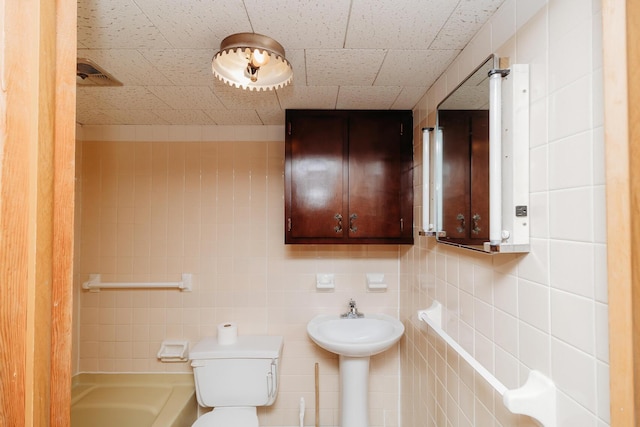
(242, 374)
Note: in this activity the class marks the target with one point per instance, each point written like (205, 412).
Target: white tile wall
(545, 310)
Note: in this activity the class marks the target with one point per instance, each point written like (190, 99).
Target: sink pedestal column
(354, 391)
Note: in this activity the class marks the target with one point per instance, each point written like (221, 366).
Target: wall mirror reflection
(481, 177)
(463, 124)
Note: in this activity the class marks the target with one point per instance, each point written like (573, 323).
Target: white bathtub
(133, 400)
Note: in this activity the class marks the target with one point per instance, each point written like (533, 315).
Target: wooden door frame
(621, 31)
(37, 154)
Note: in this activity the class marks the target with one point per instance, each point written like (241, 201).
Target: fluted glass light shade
(252, 61)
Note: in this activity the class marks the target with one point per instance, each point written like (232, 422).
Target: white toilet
(235, 379)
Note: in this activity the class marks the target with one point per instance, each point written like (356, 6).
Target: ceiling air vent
(88, 73)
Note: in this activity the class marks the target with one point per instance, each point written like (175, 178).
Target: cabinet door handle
(338, 228)
(463, 225)
(474, 222)
(352, 218)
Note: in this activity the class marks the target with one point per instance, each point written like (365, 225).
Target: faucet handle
(352, 303)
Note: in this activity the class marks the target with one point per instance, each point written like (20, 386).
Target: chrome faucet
(353, 311)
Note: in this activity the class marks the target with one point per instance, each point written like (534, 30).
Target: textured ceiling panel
(233, 98)
(187, 97)
(367, 97)
(129, 65)
(116, 24)
(413, 67)
(94, 117)
(234, 117)
(301, 24)
(135, 116)
(464, 22)
(308, 97)
(200, 24)
(345, 54)
(185, 117)
(183, 67)
(398, 24)
(408, 98)
(271, 116)
(125, 97)
(343, 67)
(297, 60)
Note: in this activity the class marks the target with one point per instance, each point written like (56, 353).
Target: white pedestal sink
(355, 340)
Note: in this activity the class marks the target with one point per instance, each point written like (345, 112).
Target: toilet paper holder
(174, 351)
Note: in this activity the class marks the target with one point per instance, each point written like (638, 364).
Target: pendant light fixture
(252, 61)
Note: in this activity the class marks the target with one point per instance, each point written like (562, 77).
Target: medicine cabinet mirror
(479, 161)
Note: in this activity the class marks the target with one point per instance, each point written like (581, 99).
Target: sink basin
(361, 337)
(354, 340)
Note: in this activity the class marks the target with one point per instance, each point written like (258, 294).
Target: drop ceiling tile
(272, 117)
(126, 65)
(161, 50)
(125, 97)
(308, 97)
(116, 24)
(301, 24)
(464, 23)
(398, 24)
(409, 98)
(86, 100)
(184, 117)
(183, 67)
(367, 97)
(413, 67)
(239, 99)
(355, 67)
(234, 117)
(196, 23)
(135, 117)
(297, 61)
(94, 117)
(187, 97)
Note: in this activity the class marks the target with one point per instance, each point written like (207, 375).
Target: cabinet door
(380, 169)
(455, 173)
(314, 171)
(479, 197)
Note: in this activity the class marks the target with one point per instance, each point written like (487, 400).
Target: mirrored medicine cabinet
(476, 162)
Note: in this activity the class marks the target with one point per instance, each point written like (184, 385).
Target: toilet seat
(236, 416)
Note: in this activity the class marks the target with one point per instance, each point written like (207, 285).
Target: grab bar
(94, 284)
(536, 398)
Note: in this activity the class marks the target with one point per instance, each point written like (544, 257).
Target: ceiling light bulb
(258, 59)
(252, 72)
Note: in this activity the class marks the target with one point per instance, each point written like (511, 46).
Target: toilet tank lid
(246, 347)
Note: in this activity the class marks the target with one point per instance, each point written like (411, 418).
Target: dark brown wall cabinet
(349, 177)
(465, 175)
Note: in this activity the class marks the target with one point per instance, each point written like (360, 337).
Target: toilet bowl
(235, 379)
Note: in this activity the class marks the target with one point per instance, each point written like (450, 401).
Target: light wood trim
(63, 212)
(633, 91)
(622, 92)
(37, 115)
(14, 179)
